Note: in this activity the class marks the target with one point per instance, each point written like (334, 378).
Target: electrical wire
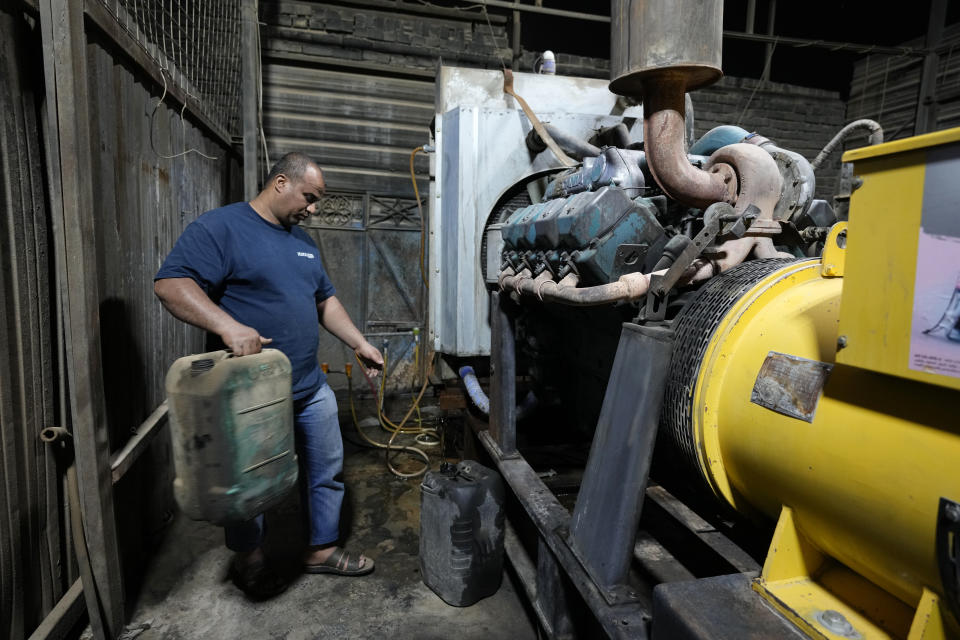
(263, 134)
(423, 220)
(385, 422)
(182, 124)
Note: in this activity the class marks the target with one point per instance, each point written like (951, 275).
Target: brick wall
(347, 32)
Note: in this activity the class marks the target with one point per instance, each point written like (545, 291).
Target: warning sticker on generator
(935, 330)
(790, 385)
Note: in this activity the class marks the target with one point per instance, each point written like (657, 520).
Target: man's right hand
(243, 340)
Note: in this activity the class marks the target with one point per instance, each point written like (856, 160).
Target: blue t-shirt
(264, 275)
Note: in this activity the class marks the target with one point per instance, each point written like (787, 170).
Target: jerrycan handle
(199, 366)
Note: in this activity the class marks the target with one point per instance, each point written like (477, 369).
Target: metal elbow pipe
(664, 134)
(54, 434)
(631, 286)
(758, 179)
(616, 136)
(764, 248)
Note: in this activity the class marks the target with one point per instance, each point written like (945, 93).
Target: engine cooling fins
(694, 326)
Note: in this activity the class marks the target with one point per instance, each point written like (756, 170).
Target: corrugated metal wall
(886, 88)
(35, 566)
(359, 126)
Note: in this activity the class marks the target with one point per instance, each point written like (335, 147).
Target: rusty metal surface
(790, 385)
(370, 247)
(651, 37)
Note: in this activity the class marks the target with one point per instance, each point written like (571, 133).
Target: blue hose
(473, 389)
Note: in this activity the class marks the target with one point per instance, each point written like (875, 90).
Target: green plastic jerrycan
(231, 421)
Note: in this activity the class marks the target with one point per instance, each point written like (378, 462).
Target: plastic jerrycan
(461, 532)
(231, 421)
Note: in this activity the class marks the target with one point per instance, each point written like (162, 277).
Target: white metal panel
(480, 153)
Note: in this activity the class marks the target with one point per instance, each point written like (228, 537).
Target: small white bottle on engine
(549, 64)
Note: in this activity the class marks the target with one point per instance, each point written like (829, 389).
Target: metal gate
(370, 246)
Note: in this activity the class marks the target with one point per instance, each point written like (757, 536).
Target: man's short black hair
(293, 165)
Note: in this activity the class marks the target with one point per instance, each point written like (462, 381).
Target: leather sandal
(341, 563)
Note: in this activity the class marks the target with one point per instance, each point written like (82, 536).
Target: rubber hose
(476, 394)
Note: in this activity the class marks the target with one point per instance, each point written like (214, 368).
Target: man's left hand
(371, 358)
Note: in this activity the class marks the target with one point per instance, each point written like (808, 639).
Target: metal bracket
(734, 224)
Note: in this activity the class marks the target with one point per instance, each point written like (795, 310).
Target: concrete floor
(187, 594)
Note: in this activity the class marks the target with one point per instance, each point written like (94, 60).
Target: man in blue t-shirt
(250, 277)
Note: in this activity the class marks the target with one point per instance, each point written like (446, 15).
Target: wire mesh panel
(196, 43)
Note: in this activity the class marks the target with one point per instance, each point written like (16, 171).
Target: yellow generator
(820, 394)
(696, 325)
(825, 393)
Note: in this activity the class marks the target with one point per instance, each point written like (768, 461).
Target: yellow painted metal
(803, 583)
(931, 621)
(834, 255)
(881, 263)
(907, 144)
(806, 293)
(863, 480)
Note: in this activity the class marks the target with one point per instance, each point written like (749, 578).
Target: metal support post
(250, 70)
(607, 512)
(503, 382)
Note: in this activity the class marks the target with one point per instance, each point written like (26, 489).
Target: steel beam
(136, 445)
(551, 519)
(551, 593)
(503, 385)
(64, 616)
(605, 519)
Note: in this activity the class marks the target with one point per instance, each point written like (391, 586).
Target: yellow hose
(423, 221)
(384, 421)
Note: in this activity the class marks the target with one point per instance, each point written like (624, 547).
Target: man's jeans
(320, 455)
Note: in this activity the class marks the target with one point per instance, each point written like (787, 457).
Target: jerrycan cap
(432, 480)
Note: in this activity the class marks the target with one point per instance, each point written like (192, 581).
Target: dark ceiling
(853, 21)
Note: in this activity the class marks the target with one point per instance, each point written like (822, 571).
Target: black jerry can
(461, 532)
